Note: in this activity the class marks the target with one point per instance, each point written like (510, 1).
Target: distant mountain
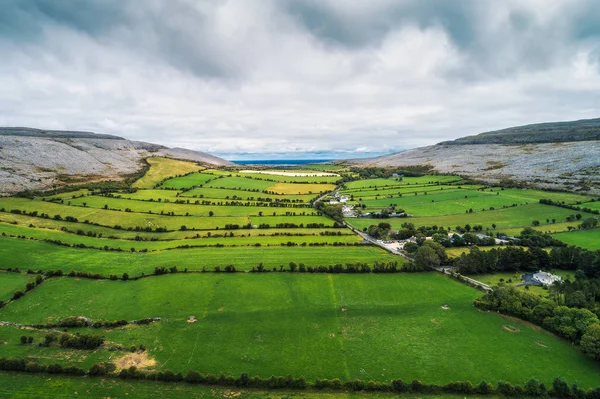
(560, 155)
(38, 159)
(553, 132)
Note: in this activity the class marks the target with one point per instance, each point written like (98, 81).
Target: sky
(321, 79)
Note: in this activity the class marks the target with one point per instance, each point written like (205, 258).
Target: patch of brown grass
(140, 360)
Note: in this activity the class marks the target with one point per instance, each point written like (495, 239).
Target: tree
(23, 339)
(427, 257)
(438, 248)
(211, 213)
(590, 342)
(535, 223)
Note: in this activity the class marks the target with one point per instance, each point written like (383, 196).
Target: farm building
(545, 278)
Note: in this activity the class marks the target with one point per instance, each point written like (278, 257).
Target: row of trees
(514, 259)
(532, 388)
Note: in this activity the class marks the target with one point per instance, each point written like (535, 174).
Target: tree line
(532, 388)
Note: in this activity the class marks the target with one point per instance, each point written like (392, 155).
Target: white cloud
(242, 76)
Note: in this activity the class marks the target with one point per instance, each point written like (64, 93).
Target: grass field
(11, 282)
(307, 178)
(367, 326)
(519, 216)
(36, 255)
(194, 179)
(240, 183)
(26, 386)
(589, 239)
(126, 245)
(286, 188)
(162, 168)
(346, 326)
(219, 193)
(368, 183)
(184, 209)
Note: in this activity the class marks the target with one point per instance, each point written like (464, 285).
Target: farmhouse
(545, 278)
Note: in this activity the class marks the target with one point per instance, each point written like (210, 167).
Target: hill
(37, 159)
(553, 132)
(562, 156)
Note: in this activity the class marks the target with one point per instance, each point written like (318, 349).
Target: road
(374, 241)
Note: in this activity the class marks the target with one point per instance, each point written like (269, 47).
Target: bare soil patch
(139, 359)
(510, 328)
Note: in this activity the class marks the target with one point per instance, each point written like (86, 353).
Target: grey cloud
(315, 76)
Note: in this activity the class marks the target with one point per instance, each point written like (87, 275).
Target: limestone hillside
(563, 156)
(38, 159)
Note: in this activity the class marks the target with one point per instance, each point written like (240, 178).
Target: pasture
(589, 239)
(366, 326)
(17, 385)
(191, 180)
(243, 239)
(519, 216)
(380, 182)
(377, 327)
(38, 255)
(187, 209)
(162, 168)
(286, 188)
(11, 282)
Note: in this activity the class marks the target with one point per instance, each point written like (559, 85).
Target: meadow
(24, 386)
(191, 180)
(589, 239)
(377, 327)
(380, 182)
(11, 282)
(127, 245)
(37, 255)
(518, 216)
(162, 168)
(365, 326)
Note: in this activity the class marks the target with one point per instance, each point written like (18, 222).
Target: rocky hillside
(564, 156)
(38, 159)
(553, 132)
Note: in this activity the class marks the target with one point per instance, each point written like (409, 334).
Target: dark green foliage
(81, 341)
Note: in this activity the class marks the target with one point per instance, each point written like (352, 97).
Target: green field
(292, 179)
(26, 254)
(11, 282)
(162, 168)
(589, 239)
(126, 245)
(25, 386)
(108, 232)
(348, 326)
(194, 179)
(184, 209)
(369, 183)
(519, 216)
(218, 193)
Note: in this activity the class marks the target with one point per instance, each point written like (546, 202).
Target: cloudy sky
(317, 78)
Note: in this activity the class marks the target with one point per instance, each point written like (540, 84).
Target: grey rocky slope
(546, 158)
(38, 159)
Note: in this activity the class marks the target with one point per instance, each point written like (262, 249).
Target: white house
(545, 278)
